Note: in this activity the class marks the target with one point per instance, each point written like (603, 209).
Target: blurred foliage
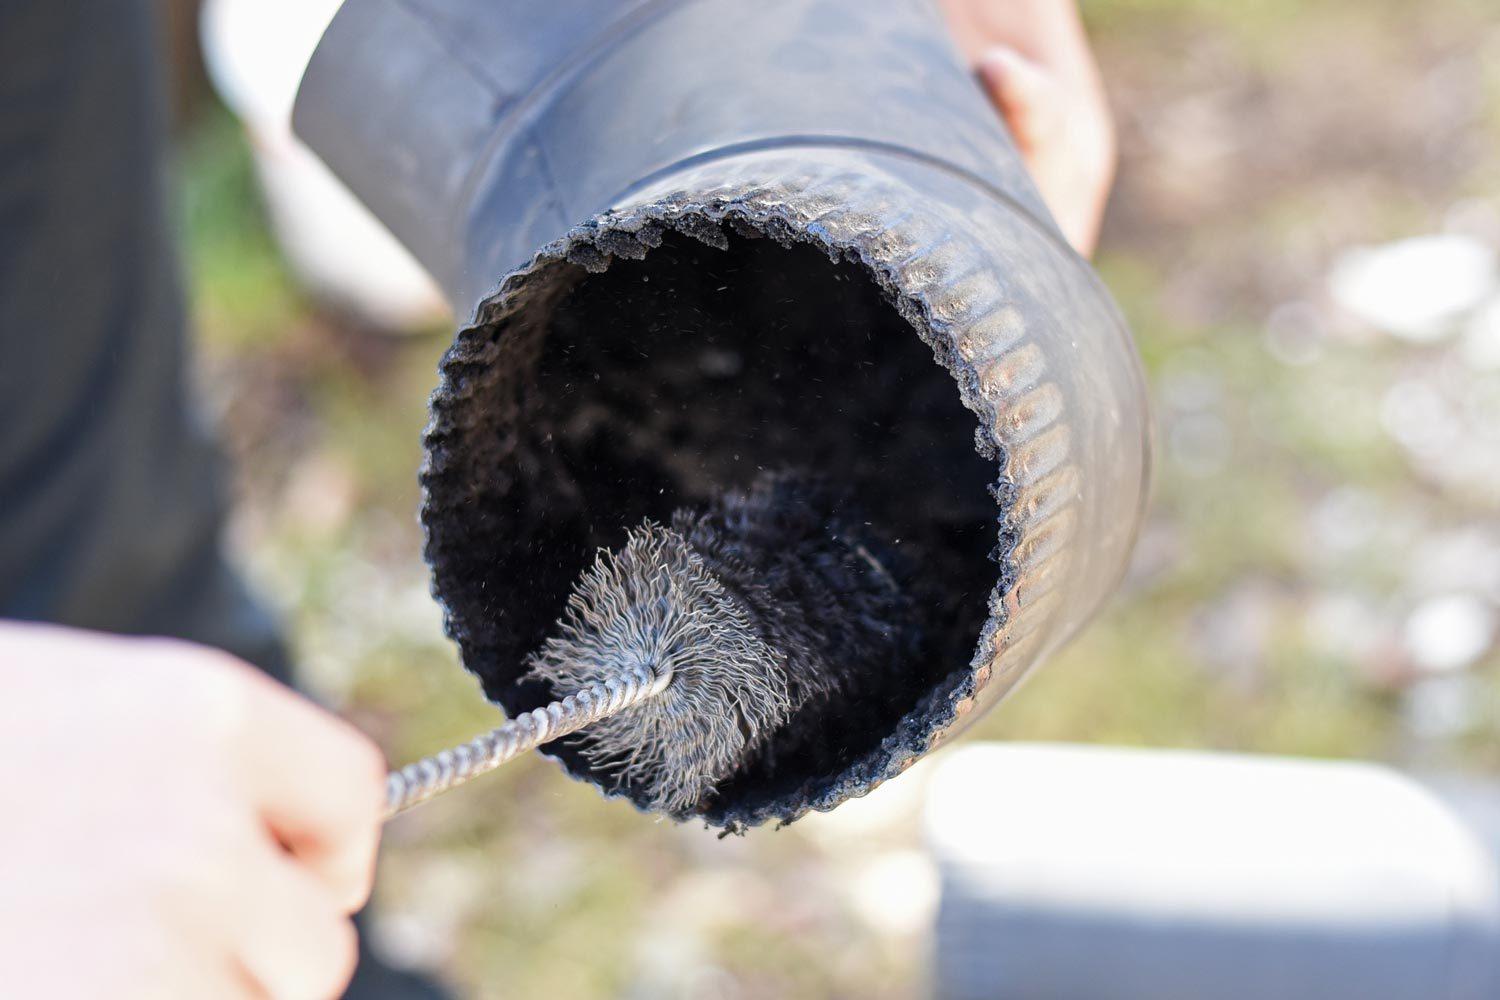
(1259, 141)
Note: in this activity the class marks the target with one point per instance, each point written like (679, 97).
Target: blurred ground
(1320, 573)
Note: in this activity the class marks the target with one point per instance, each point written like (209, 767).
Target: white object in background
(1480, 347)
(256, 51)
(1449, 632)
(1073, 873)
(1416, 289)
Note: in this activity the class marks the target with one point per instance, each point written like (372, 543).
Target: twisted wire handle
(417, 782)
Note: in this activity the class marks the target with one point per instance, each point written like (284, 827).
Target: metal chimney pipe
(692, 239)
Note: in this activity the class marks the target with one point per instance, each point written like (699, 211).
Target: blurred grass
(244, 295)
(529, 884)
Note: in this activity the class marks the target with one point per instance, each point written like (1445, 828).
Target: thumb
(1022, 91)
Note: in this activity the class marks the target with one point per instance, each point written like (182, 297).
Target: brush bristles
(654, 604)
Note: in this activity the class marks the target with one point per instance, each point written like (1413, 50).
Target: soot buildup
(763, 604)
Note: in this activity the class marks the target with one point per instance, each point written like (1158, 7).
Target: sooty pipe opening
(601, 390)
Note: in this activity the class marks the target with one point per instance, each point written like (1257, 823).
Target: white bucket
(256, 51)
(1092, 873)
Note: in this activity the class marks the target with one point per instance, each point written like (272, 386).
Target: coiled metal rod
(419, 781)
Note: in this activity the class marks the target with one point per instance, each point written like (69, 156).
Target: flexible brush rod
(417, 782)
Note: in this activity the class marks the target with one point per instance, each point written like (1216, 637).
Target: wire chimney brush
(681, 652)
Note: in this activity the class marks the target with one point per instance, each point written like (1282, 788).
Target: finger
(229, 981)
(289, 933)
(1071, 162)
(1023, 93)
(319, 785)
(238, 983)
(202, 971)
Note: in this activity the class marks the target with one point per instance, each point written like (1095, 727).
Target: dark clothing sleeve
(111, 491)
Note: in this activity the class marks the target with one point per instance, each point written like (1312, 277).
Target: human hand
(1035, 62)
(174, 824)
